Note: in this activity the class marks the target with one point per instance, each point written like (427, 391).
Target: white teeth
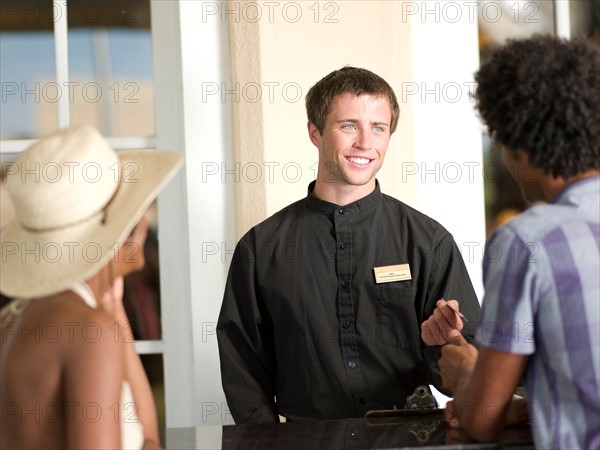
(362, 161)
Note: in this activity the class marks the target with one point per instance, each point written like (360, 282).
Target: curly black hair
(542, 95)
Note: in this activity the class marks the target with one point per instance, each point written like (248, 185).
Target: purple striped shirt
(542, 298)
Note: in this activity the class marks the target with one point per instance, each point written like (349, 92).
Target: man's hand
(450, 415)
(517, 413)
(443, 325)
(457, 362)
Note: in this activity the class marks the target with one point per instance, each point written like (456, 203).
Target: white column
(61, 58)
(562, 19)
(195, 213)
(448, 164)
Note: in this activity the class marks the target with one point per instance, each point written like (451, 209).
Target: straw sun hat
(76, 201)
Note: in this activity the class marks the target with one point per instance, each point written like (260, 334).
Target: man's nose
(362, 141)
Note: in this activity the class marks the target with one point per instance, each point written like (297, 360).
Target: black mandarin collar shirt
(304, 321)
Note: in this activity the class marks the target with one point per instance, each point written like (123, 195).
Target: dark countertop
(428, 431)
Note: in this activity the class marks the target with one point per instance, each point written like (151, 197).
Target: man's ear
(314, 134)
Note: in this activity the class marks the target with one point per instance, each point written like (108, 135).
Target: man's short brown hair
(348, 80)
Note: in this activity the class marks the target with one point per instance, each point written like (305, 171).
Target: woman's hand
(112, 302)
(112, 299)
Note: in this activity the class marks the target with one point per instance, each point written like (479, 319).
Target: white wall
(447, 166)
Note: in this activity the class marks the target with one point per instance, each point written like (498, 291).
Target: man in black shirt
(324, 300)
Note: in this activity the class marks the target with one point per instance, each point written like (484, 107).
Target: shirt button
(344, 245)
(342, 211)
(362, 401)
(345, 285)
(346, 324)
(351, 364)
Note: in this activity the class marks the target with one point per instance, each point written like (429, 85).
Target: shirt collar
(573, 192)
(356, 207)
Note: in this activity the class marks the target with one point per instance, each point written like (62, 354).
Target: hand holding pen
(444, 325)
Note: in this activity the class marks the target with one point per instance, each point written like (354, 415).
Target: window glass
(27, 75)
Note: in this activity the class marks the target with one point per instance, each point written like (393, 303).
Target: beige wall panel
(299, 43)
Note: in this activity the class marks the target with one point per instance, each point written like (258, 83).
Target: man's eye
(348, 127)
(379, 129)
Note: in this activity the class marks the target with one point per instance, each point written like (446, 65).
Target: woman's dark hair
(542, 95)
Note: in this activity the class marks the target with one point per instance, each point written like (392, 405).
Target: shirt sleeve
(449, 279)
(511, 283)
(246, 348)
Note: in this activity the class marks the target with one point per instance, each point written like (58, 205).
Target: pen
(461, 315)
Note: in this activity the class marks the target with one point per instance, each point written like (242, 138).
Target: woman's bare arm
(92, 381)
(134, 371)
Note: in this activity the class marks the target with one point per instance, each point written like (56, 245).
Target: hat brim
(37, 264)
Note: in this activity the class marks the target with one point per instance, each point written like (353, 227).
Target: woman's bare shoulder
(69, 310)
(63, 325)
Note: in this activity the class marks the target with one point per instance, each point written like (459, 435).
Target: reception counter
(419, 430)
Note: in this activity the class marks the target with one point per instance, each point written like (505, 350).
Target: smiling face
(352, 147)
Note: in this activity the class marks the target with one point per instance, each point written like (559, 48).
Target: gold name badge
(387, 274)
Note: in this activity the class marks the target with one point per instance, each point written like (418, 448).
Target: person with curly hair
(540, 98)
